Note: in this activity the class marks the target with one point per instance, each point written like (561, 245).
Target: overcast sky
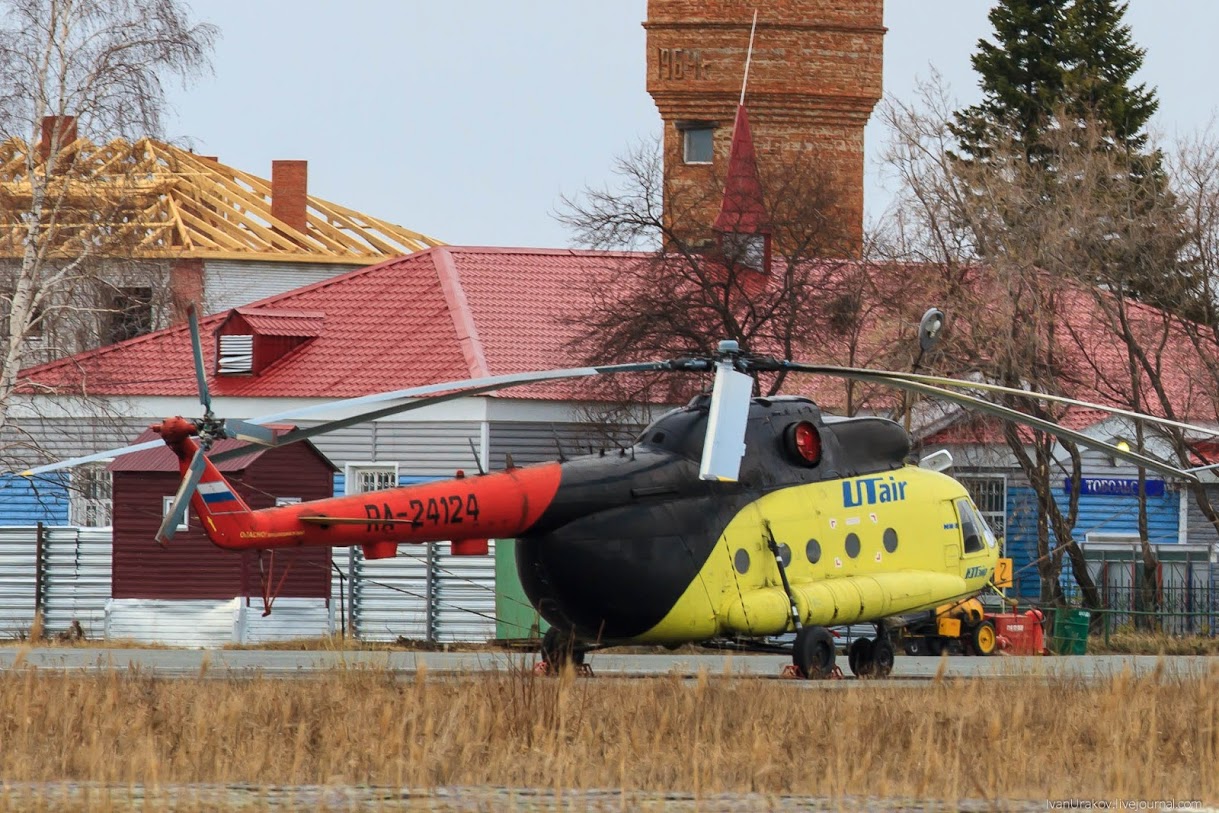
(467, 119)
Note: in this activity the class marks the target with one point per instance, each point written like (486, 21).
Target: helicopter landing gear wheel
(860, 657)
(982, 639)
(914, 646)
(814, 654)
(882, 657)
(559, 649)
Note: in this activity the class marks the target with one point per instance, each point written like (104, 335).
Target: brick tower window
(697, 141)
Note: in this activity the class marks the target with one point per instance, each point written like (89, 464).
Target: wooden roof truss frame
(152, 199)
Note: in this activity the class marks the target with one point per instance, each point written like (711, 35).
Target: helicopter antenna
(477, 460)
(749, 55)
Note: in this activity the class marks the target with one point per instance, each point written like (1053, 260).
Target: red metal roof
(441, 314)
(162, 459)
(297, 324)
(1092, 365)
(456, 312)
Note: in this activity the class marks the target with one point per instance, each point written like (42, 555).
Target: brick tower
(813, 81)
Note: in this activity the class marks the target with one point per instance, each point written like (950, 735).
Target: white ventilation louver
(236, 355)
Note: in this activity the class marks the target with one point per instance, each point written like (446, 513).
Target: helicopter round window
(785, 554)
(741, 561)
(813, 551)
(852, 545)
(890, 540)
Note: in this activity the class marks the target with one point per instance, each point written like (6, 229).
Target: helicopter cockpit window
(974, 531)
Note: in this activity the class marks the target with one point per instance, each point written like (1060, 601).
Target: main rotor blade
(475, 386)
(196, 346)
(93, 458)
(452, 390)
(942, 381)
(727, 417)
(177, 509)
(254, 430)
(992, 409)
(249, 432)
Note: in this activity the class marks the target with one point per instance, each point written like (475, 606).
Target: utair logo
(872, 490)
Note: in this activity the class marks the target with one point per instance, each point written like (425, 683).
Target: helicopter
(731, 519)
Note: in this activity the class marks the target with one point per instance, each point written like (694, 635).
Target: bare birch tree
(73, 70)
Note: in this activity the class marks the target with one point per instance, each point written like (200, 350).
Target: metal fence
(1181, 610)
(18, 582)
(424, 594)
(62, 573)
(1179, 597)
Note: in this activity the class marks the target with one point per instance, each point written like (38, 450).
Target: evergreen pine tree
(1022, 78)
(1054, 56)
(1101, 61)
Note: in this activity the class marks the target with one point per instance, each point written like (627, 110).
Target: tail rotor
(210, 429)
(177, 509)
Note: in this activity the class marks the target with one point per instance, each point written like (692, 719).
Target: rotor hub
(175, 430)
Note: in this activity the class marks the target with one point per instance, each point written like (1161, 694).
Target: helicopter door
(952, 549)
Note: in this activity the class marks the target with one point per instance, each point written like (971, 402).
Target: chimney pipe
(62, 126)
(289, 192)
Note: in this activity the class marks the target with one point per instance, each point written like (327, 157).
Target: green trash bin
(1071, 631)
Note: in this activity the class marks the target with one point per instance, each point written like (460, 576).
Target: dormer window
(743, 224)
(252, 339)
(236, 354)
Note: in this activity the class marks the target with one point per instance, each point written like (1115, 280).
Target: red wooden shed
(191, 567)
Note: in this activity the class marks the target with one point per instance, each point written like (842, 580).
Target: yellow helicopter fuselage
(855, 550)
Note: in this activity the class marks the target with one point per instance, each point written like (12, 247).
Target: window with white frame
(989, 493)
(167, 503)
(90, 501)
(362, 477)
(747, 250)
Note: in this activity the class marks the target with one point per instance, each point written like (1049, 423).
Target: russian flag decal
(217, 493)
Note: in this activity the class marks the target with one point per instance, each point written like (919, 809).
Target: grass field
(1146, 738)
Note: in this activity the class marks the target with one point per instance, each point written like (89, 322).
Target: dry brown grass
(1149, 643)
(1144, 738)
